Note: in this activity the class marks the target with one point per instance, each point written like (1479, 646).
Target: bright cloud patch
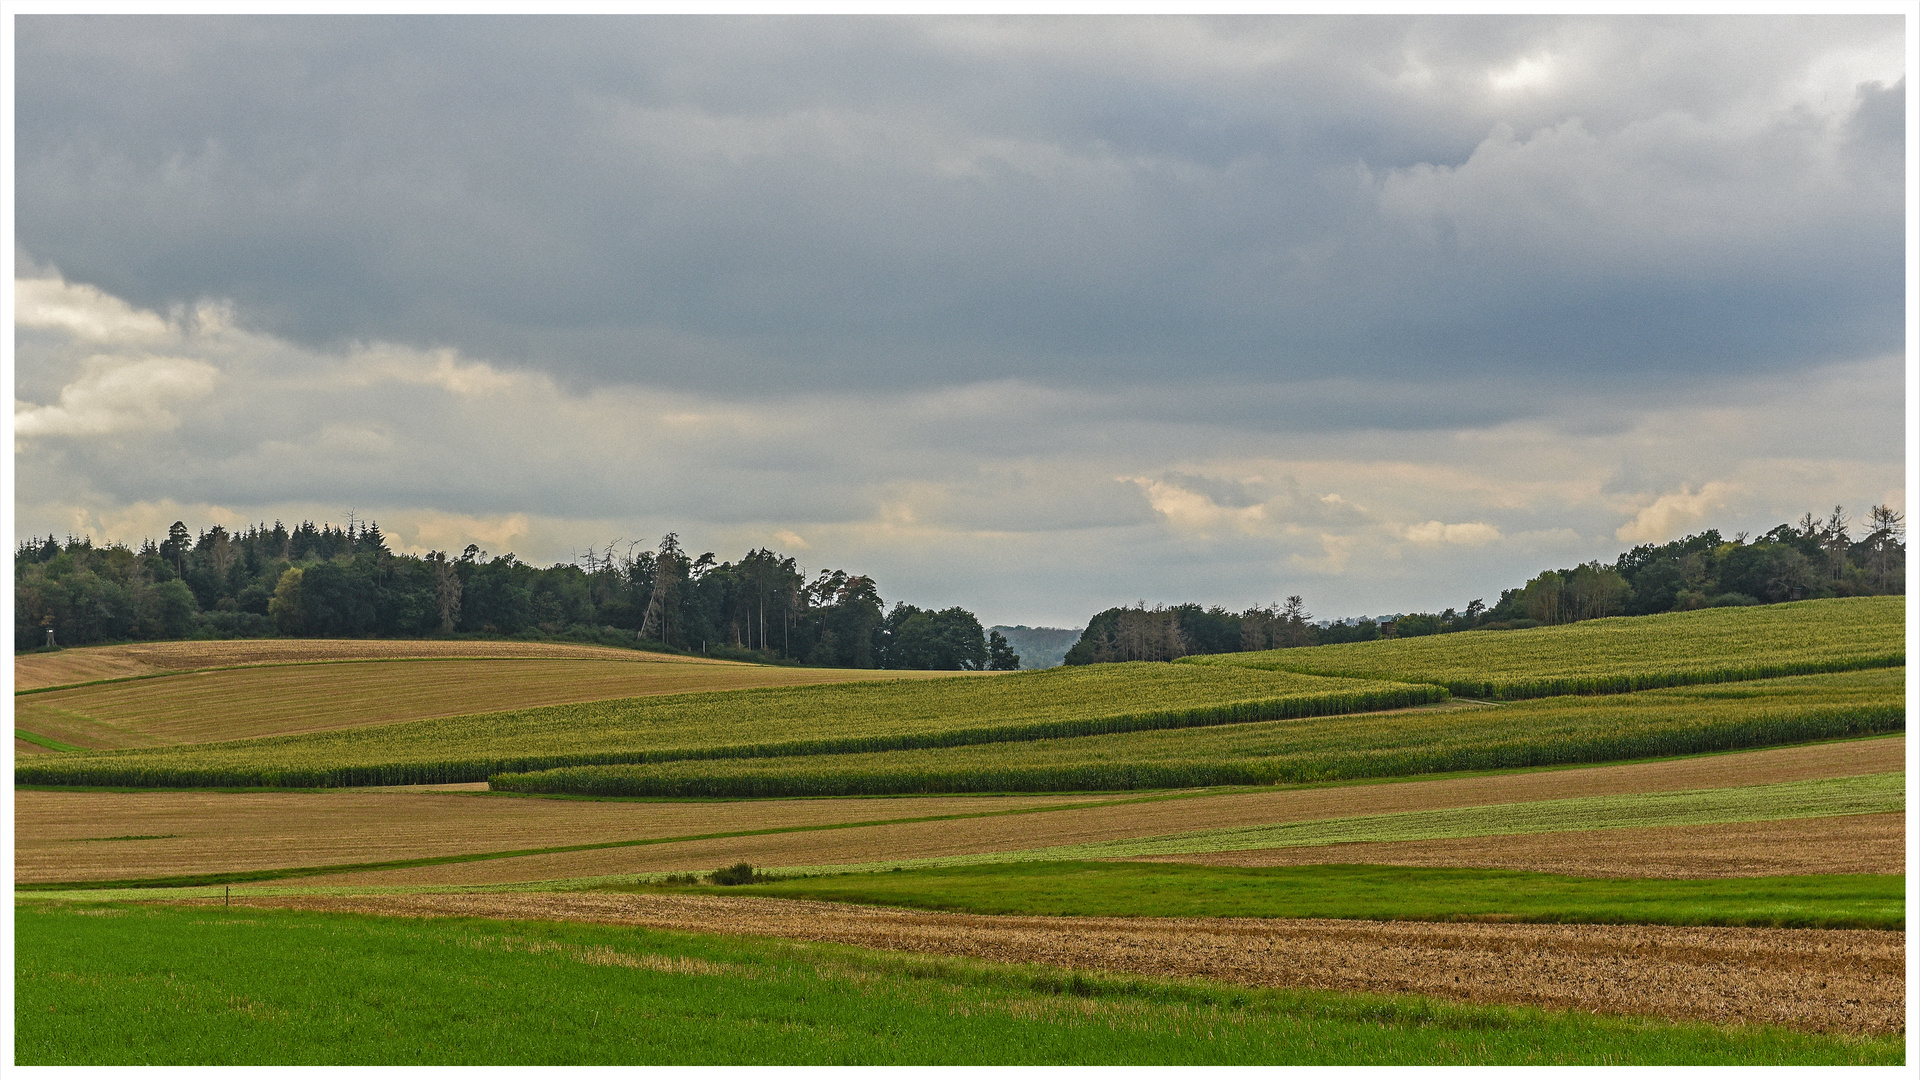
(1195, 512)
(119, 396)
(1440, 532)
(51, 303)
(1672, 514)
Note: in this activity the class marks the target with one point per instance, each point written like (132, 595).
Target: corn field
(1550, 731)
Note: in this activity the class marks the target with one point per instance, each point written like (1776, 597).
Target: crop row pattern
(1557, 731)
(839, 719)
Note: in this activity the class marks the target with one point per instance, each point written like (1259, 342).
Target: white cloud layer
(1026, 504)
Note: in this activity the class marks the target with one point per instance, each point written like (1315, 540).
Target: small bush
(738, 874)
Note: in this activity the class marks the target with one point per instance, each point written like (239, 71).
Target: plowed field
(1819, 980)
(281, 699)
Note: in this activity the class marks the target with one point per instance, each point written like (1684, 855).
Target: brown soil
(1855, 844)
(62, 836)
(35, 670)
(1821, 980)
(247, 702)
(1178, 815)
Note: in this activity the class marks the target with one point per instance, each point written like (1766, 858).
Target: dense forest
(323, 581)
(1813, 558)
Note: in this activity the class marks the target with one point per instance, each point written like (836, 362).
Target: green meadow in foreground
(1611, 656)
(123, 985)
(1428, 894)
(1551, 731)
(841, 718)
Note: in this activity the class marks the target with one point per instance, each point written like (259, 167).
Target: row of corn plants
(1554, 731)
(1622, 655)
(788, 721)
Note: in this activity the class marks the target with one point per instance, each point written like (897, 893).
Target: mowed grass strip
(844, 718)
(1611, 656)
(1174, 890)
(113, 985)
(1877, 794)
(1553, 731)
(249, 702)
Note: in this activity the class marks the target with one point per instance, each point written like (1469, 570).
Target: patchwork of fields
(849, 717)
(1685, 765)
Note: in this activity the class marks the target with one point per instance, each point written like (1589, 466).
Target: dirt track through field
(209, 706)
(856, 846)
(1820, 980)
(1853, 844)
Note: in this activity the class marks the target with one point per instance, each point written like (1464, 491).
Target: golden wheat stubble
(1850, 981)
(61, 836)
(1851, 844)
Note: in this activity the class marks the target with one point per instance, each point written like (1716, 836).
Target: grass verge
(111, 985)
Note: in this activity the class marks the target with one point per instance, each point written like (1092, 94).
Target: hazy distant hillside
(1039, 646)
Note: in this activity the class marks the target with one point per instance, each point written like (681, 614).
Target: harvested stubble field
(1126, 821)
(1818, 980)
(1610, 656)
(1850, 844)
(112, 836)
(850, 717)
(289, 699)
(1549, 731)
(64, 667)
(1877, 794)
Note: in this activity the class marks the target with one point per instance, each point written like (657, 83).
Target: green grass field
(821, 719)
(1174, 890)
(1610, 656)
(123, 985)
(1549, 731)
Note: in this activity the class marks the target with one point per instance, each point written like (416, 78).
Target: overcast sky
(1034, 316)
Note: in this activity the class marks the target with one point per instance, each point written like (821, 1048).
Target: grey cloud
(754, 206)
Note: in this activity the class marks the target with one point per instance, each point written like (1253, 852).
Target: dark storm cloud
(750, 206)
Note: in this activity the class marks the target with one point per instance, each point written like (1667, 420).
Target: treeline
(327, 581)
(1811, 559)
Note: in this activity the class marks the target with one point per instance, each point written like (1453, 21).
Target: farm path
(1821, 980)
(1130, 819)
(1851, 844)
